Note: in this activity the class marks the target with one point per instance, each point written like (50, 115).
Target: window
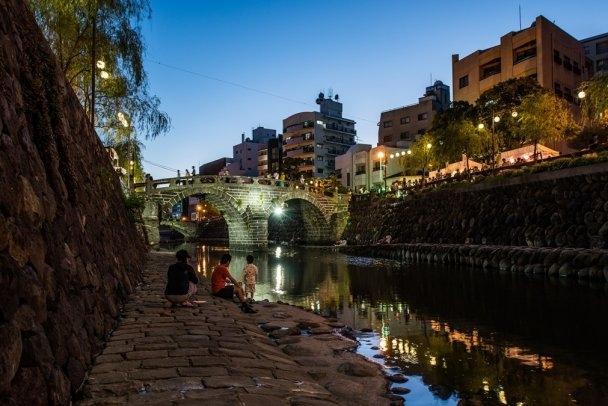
(463, 81)
(405, 120)
(387, 138)
(360, 169)
(387, 124)
(567, 63)
(405, 135)
(249, 159)
(376, 166)
(307, 136)
(423, 116)
(319, 170)
(347, 178)
(601, 47)
(568, 94)
(556, 58)
(421, 131)
(533, 76)
(575, 68)
(489, 69)
(320, 158)
(339, 173)
(558, 89)
(601, 64)
(526, 51)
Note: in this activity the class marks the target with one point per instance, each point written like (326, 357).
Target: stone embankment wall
(69, 255)
(554, 226)
(584, 264)
(566, 212)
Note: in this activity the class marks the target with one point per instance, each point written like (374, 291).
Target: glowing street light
(402, 153)
(104, 74)
(429, 145)
(480, 126)
(380, 154)
(392, 156)
(514, 114)
(409, 152)
(101, 64)
(496, 119)
(582, 94)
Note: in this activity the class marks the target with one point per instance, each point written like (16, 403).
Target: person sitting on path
(181, 281)
(219, 287)
(250, 273)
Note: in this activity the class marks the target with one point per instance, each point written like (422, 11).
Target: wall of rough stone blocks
(69, 255)
(561, 212)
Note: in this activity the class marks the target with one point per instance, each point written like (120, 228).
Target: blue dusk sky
(376, 55)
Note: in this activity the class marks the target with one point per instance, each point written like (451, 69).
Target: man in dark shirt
(181, 281)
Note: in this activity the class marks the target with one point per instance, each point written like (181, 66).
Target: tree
(291, 168)
(594, 104)
(105, 34)
(501, 101)
(420, 156)
(545, 118)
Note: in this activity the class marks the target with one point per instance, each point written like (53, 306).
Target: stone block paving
(215, 354)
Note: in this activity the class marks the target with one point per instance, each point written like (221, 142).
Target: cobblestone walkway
(211, 354)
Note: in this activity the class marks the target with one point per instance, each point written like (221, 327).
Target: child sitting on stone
(250, 273)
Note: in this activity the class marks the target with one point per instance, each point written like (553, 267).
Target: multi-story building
(270, 157)
(365, 168)
(246, 153)
(402, 126)
(318, 137)
(543, 51)
(215, 167)
(596, 50)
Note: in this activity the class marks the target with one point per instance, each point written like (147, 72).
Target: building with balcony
(363, 167)
(543, 51)
(318, 137)
(596, 50)
(270, 157)
(245, 154)
(402, 126)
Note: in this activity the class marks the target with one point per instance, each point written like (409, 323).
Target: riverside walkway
(215, 354)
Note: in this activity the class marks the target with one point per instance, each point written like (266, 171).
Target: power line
(167, 168)
(239, 85)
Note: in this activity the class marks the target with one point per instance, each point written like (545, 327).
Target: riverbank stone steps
(575, 263)
(215, 354)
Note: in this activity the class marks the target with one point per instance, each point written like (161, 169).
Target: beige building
(364, 168)
(402, 126)
(596, 50)
(543, 51)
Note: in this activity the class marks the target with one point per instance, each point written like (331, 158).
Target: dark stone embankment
(69, 255)
(584, 264)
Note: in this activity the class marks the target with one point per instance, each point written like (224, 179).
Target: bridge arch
(246, 204)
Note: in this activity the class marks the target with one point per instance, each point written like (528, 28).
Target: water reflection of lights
(278, 279)
(502, 397)
(474, 340)
(277, 252)
(486, 385)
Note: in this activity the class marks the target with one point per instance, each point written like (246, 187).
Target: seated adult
(220, 288)
(181, 281)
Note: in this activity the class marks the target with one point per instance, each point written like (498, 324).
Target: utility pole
(93, 63)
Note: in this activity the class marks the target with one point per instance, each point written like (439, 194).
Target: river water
(458, 334)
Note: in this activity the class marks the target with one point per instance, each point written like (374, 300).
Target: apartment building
(318, 137)
(596, 50)
(270, 157)
(543, 51)
(402, 126)
(246, 153)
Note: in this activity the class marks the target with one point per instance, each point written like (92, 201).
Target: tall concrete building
(270, 157)
(596, 50)
(318, 137)
(543, 51)
(402, 126)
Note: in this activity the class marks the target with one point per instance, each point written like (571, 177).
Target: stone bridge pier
(246, 204)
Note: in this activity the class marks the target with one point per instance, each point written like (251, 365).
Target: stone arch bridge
(246, 204)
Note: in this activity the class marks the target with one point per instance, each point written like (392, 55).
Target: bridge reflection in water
(459, 334)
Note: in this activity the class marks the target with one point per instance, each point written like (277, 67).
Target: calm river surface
(458, 334)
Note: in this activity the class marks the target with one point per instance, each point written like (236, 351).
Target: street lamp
(480, 126)
(582, 94)
(514, 114)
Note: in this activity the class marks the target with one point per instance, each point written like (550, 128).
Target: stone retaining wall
(568, 212)
(584, 264)
(69, 255)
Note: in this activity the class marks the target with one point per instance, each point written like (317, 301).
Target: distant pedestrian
(181, 281)
(250, 273)
(220, 288)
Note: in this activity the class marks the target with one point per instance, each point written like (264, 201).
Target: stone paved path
(215, 354)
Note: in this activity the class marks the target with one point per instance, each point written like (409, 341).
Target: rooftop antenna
(520, 17)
